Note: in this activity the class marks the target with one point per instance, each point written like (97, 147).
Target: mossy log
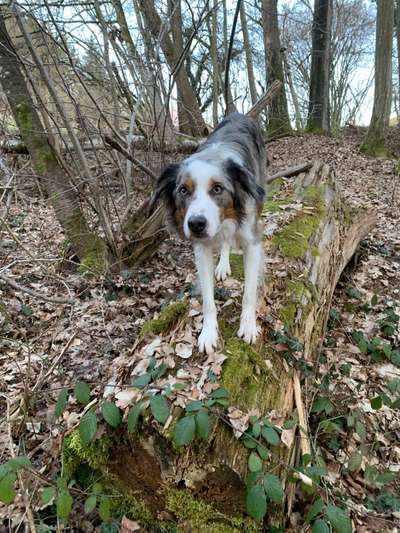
(310, 235)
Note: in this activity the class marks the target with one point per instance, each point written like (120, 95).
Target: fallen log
(310, 235)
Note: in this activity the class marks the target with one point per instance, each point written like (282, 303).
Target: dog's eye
(217, 189)
(183, 191)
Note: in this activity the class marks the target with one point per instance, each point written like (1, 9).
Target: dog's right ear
(165, 185)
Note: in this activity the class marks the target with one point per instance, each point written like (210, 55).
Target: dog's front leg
(209, 334)
(253, 268)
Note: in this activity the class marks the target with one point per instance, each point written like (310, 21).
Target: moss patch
(74, 453)
(292, 240)
(166, 319)
(201, 517)
(376, 149)
(237, 267)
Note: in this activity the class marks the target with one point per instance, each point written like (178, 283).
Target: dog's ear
(243, 178)
(165, 185)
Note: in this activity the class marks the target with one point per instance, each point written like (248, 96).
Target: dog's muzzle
(198, 225)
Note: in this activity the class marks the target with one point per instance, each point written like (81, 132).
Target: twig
(33, 293)
(114, 144)
(228, 59)
(265, 99)
(289, 172)
(304, 440)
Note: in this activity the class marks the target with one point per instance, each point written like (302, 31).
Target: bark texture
(318, 106)
(278, 116)
(374, 143)
(63, 197)
(307, 248)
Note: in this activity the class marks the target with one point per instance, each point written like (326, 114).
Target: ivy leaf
(90, 503)
(256, 502)
(254, 462)
(48, 493)
(82, 392)
(7, 491)
(16, 463)
(249, 443)
(376, 403)
(203, 425)
(61, 403)
(320, 526)
(262, 452)
(105, 509)
(385, 477)
(184, 431)
(97, 488)
(273, 488)
(270, 435)
(220, 393)
(194, 406)
(64, 503)
(355, 461)
(111, 414)
(26, 310)
(88, 427)
(133, 417)
(315, 509)
(256, 429)
(142, 381)
(160, 408)
(339, 519)
(360, 430)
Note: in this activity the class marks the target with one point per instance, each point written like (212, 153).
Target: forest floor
(45, 346)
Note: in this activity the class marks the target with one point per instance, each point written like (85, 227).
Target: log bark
(310, 235)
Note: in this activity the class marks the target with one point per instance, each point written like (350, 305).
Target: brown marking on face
(179, 217)
(224, 201)
(189, 184)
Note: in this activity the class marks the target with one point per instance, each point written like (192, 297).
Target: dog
(214, 198)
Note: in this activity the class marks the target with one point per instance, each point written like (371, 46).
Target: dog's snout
(197, 224)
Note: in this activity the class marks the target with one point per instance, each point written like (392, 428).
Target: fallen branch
(289, 172)
(33, 293)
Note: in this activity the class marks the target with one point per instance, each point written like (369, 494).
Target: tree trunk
(374, 143)
(214, 60)
(203, 485)
(90, 249)
(248, 53)
(153, 22)
(318, 105)
(397, 21)
(278, 116)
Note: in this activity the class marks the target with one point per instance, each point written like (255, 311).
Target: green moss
(376, 149)
(292, 240)
(237, 268)
(74, 453)
(315, 251)
(166, 318)
(95, 259)
(287, 314)
(201, 517)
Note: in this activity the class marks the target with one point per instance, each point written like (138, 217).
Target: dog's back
(241, 135)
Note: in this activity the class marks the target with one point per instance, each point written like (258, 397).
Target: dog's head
(199, 195)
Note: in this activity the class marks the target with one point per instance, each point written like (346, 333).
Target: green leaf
(178, 386)
(374, 299)
(355, 461)
(339, 519)
(111, 414)
(320, 526)
(160, 408)
(270, 435)
(315, 509)
(254, 462)
(16, 463)
(82, 392)
(256, 502)
(289, 424)
(26, 310)
(376, 403)
(48, 493)
(385, 477)
(90, 503)
(133, 417)
(256, 429)
(194, 406)
(64, 503)
(360, 430)
(62, 483)
(223, 401)
(61, 402)
(322, 404)
(105, 509)
(249, 443)
(184, 431)
(88, 427)
(7, 491)
(262, 452)
(97, 488)
(142, 381)
(273, 488)
(203, 425)
(362, 345)
(220, 393)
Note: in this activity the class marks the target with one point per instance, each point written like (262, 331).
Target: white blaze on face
(202, 203)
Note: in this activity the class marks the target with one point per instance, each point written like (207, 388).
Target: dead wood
(310, 235)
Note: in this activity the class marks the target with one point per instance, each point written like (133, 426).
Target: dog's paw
(208, 338)
(223, 270)
(248, 330)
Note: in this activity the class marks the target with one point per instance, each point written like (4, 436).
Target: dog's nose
(197, 224)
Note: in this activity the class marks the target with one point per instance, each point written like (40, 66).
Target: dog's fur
(214, 197)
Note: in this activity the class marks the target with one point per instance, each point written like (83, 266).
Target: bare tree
(374, 143)
(278, 116)
(248, 53)
(318, 107)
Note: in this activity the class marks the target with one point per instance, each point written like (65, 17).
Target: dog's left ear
(243, 178)
(165, 185)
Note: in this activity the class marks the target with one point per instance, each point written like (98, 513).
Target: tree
(374, 143)
(90, 249)
(278, 116)
(318, 107)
